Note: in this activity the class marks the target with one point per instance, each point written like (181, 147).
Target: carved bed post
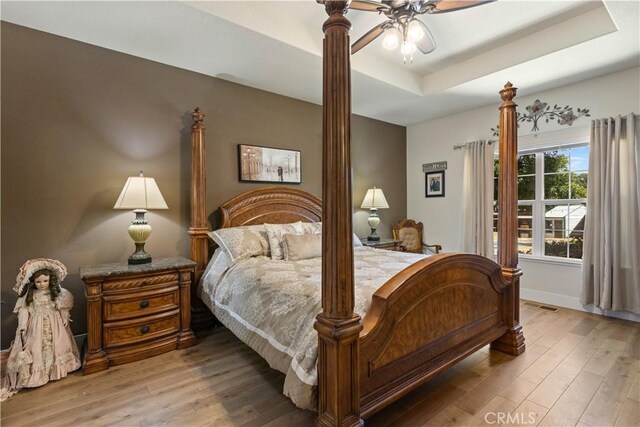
(513, 341)
(201, 316)
(338, 326)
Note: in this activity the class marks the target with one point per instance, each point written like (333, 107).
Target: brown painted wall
(77, 120)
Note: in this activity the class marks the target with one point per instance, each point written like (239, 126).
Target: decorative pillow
(316, 228)
(312, 227)
(275, 233)
(242, 242)
(303, 246)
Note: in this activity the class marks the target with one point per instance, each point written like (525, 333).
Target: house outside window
(552, 201)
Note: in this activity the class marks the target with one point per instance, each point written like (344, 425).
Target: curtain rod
(461, 146)
(535, 135)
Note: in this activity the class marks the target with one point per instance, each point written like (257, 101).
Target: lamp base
(139, 230)
(374, 221)
(139, 256)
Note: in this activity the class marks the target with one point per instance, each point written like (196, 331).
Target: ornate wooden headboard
(267, 204)
(274, 205)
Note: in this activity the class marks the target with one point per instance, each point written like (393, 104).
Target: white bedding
(271, 305)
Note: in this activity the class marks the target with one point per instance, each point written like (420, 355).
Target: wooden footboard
(426, 318)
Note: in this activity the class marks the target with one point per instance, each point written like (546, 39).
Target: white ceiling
(277, 46)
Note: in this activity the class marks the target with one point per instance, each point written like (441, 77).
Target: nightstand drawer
(126, 306)
(133, 331)
(119, 286)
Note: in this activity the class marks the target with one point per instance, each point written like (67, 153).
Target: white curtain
(611, 255)
(477, 227)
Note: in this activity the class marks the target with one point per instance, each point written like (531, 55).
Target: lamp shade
(140, 192)
(374, 199)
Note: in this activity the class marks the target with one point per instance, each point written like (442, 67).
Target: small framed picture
(266, 164)
(434, 184)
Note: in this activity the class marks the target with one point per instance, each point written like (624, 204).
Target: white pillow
(316, 228)
(242, 242)
(312, 227)
(302, 246)
(275, 233)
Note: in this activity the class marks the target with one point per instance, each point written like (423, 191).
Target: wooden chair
(410, 232)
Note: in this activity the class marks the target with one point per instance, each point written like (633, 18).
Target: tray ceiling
(277, 46)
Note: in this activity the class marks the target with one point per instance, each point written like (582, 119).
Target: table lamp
(374, 200)
(140, 193)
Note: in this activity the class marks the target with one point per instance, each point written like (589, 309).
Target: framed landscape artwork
(434, 184)
(265, 164)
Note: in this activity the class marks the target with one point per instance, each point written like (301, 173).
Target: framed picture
(265, 164)
(434, 184)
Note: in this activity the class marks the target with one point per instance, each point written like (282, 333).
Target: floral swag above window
(540, 110)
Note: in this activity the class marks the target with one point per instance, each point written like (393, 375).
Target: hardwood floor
(578, 369)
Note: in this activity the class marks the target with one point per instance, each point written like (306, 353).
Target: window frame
(539, 204)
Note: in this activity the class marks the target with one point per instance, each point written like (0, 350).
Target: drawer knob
(144, 303)
(144, 329)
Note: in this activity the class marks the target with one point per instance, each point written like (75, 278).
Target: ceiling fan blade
(427, 43)
(445, 6)
(367, 5)
(370, 36)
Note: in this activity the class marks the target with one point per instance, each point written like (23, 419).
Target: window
(552, 201)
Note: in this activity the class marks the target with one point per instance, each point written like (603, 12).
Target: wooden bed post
(513, 341)
(338, 326)
(201, 316)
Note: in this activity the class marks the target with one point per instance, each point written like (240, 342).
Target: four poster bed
(422, 320)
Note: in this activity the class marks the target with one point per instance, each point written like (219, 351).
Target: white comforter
(272, 305)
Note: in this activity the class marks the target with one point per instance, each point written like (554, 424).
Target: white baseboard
(574, 303)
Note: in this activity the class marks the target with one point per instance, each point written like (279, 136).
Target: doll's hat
(33, 265)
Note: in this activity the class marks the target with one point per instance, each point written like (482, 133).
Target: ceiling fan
(402, 26)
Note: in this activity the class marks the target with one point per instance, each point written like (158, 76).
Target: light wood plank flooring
(578, 369)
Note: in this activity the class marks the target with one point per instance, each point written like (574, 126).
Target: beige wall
(77, 120)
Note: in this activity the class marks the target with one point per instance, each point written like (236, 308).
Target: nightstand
(136, 311)
(389, 244)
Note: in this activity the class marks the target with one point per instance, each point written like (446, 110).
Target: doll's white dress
(49, 349)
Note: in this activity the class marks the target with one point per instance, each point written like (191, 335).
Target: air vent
(543, 307)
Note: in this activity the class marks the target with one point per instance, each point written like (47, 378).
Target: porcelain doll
(44, 348)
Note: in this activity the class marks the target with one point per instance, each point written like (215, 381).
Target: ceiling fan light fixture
(391, 39)
(402, 27)
(408, 48)
(414, 31)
